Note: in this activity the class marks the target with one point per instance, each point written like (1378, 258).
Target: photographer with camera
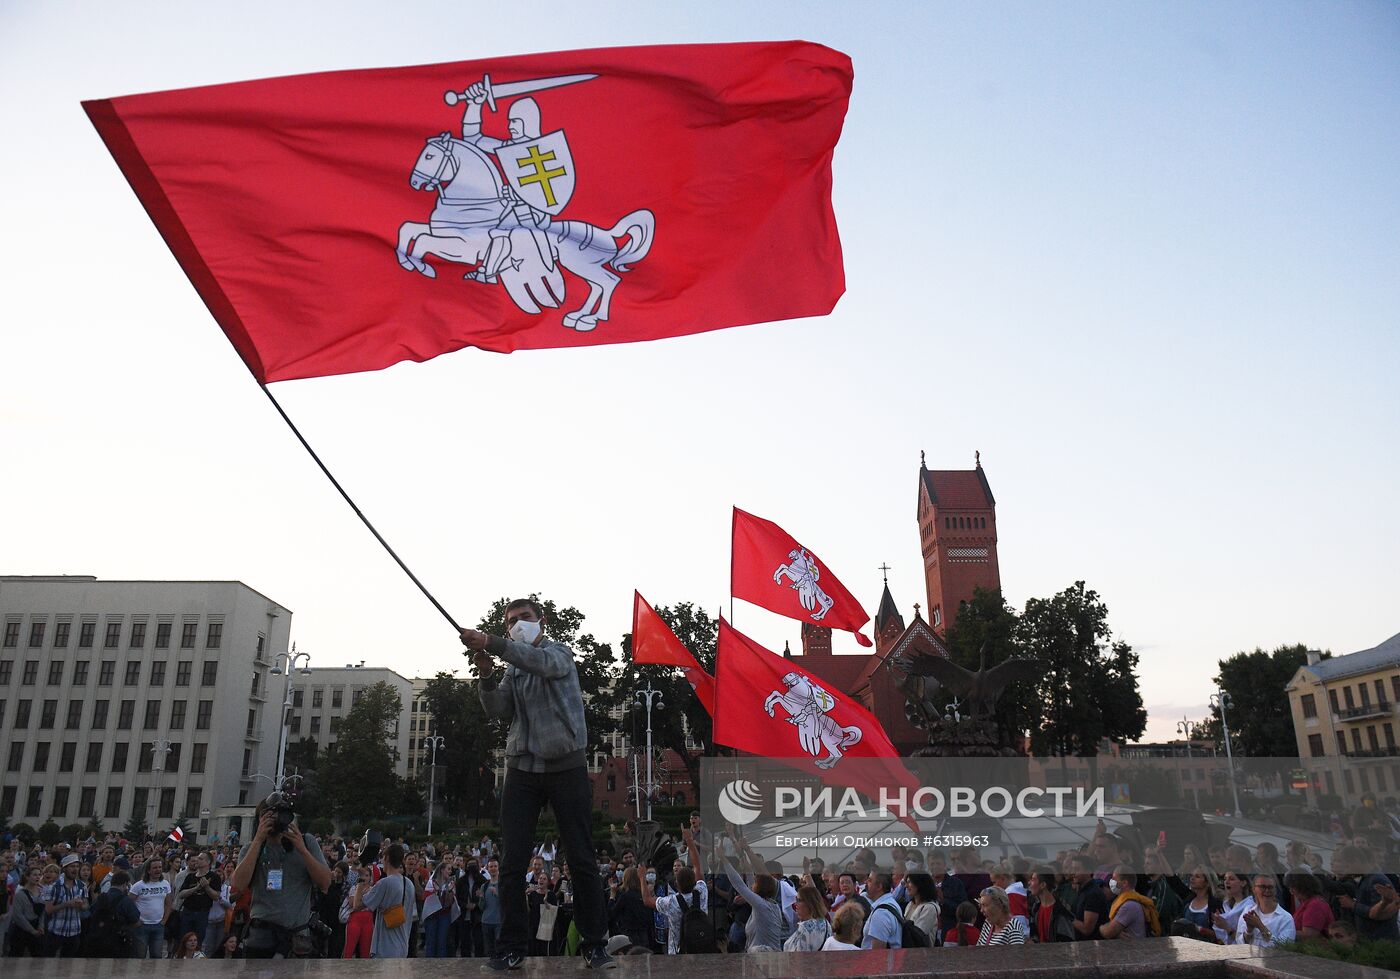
(280, 866)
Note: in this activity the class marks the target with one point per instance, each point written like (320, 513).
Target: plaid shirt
(65, 922)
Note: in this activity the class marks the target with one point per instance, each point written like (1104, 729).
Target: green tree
(1261, 720)
(360, 781)
(683, 711)
(597, 664)
(72, 832)
(135, 828)
(985, 623)
(49, 832)
(1088, 688)
(304, 759)
(466, 778)
(412, 801)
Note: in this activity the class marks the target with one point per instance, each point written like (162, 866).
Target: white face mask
(525, 631)
(910, 866)
(1113, 885)
(651, 878)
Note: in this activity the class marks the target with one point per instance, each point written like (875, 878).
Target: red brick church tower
(958, 531)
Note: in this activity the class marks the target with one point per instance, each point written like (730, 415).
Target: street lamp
(652, 698)
(1222, 700)
(1183, 728)
(287, 661)
(160, 747)
(434, 742)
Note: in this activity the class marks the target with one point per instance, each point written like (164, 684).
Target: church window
(937, 617)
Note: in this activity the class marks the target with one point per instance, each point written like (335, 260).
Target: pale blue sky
(1143, 256)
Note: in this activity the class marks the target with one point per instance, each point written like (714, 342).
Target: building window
(337, 699)
(316, 698)
(94, 757)
(316, 724)
(114, 635)
(87, 802)
(198, 757)
(158, 674)
(187, 635)
(1341, 743)
(1371, 737)
(67, 756)
(41, 756)
(355, 695)
(125, 713)
(152, 719)
(119, 752)
(252, 722)
(60, 635)
(1380, 691)
(138, 802)
(5, 667)
(177, 715)
(182, 674)
(113, 807)
(7, 801)
(214, 635)
(1309, 705)
(211, 673)
(1332, 700)
(1346, 695)
(75, 715)
(162, 635)
(60, 802)
(11, 635)
(16, 756)
(253, 691)
(80, 672)
(145, 758)
(193, 798)
(262, 641)
(22, 713)
(31, 672)
(48, 714)
(138, 635)
(1390, 737)
(55, 673)
(206, 711)
(104, 673)
(99, 714)
(172, 760)
(133, 674)
(1356, 738)
(36, 635)
(296, 698)
(296, 725)
(335, 725)
(31, 805)
(86, 631)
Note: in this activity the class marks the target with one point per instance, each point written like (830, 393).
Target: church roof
(1365, 661)
(958, 488)
(886, 612)
(918, 632)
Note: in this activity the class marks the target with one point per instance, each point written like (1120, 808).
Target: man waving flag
(767, 706)
(654, 642)
(769, 568)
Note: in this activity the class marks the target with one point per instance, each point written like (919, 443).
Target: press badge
(274, 880)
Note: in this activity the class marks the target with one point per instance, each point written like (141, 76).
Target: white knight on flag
(803, 571)
(808, 706)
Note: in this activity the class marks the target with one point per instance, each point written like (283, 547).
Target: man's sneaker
(507, 962)
(598, 958)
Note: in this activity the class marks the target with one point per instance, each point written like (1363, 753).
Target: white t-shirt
(150, 899)
(833, 945)
(671, 908)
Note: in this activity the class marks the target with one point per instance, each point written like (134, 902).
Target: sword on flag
(516, 88)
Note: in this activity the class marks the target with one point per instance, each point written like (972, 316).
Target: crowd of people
(287, 893)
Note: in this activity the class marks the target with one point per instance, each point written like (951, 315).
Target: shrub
(24, 832)
(49, 833)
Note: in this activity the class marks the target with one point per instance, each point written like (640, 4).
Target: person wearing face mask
(539, 696)
(1132, 915)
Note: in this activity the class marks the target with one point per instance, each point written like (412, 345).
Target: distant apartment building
(321, 700)
(122, 698)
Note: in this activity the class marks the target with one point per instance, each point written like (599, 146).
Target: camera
(280, 805)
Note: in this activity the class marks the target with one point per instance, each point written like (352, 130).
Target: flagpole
(363, 519)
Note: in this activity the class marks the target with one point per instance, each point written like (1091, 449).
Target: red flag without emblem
(654, 642)
(346, 221)
(767, 706)
(769, 568)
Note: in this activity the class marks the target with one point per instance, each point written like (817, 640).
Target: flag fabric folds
(767, 706)
(176, 835)
(346, 221)
(772, 570)
(654, 642)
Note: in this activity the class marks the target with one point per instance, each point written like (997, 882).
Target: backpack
(697, 936)
(104, 935)
(910, 934)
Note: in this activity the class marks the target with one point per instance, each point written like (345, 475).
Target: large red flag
(769, 707)
(346, 221)
(654, 642)
(769, 568)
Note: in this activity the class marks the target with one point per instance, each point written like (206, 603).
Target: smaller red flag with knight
(772, 570)
(767, 706)
(654, 642)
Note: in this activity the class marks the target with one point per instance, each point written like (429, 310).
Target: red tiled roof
(958, 488)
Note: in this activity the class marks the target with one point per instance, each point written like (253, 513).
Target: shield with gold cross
(540, 170)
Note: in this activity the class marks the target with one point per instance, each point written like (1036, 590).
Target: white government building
(95, 676)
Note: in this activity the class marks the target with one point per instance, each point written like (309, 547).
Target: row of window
(1309, 701)
(1363, 775)
(87, 803)
(964, 523)
(294, 725)
(112, 638)
(126, 714)
(1372, 743)
(93, 759)
(318, 697)
(106, 673)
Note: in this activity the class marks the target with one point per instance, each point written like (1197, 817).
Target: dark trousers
(194, 921)
(570, 795)
(68, 948)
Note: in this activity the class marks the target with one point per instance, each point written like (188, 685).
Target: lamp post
(434, 742)
(651, 697)
(1183, 728)
(288, 662)
(1222, 700)
(160, 747)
